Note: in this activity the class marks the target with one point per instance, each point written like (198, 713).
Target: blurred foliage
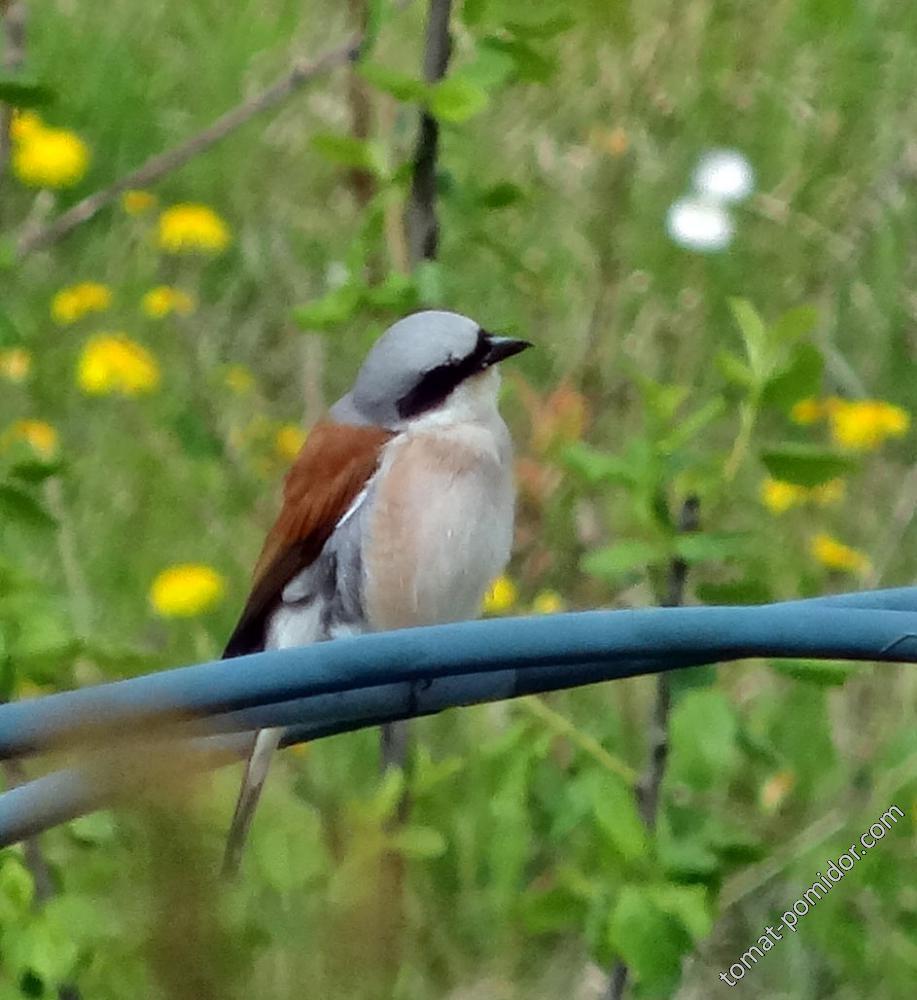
(155, 367)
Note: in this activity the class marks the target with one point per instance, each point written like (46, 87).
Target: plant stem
(650, 785)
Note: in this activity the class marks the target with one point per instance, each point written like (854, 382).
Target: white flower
(724, 175)
(700, 224)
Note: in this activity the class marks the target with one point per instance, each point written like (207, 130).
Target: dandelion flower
(73, 303)
(186, 590)
(39, 435)
(49, 157)
(137, 202)
(779, 496)
(189, 227)
(547, 602)
(724, 175)
(864, 424)
(162, 300)
(113, 363)
(239, 380)
(700, 224)
(835, 555)
(288, 440)
(15, 364)
(501, 596)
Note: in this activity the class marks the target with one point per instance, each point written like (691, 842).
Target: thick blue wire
(601, 645)
(335, 687)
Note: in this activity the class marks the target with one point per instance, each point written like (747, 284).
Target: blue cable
(351, 683)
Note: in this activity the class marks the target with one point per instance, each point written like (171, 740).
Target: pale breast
(439, 527)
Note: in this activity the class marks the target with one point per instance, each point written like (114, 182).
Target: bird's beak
(501, 348)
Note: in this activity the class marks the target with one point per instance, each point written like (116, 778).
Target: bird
(397, 512)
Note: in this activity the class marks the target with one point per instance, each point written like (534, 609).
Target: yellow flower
(288, 440)
(547, 602)
(864, 424)
(779, 496)
(192, 227)
(113, 363)
(186, 590)
(40, 436)
(807, 411)
(834, 555)
(162, 300)
(71, 304)
(137, 202)
(239, 379)
(49, 157)
(501, 596)
(15, 364)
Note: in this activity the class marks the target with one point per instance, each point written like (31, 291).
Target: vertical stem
(422, 220)
(362, 181)
(650, 785)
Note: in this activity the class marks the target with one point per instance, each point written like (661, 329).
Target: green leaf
(734, 369)
(689, 427)
(553, 910)
(386, 799)
(650, 940)
(703, 739)
(198, 440)
(17, 888)
(800, 378)
(615, 812)
(401, 86)
(94, 828)
(18, 505)
(697, 546)
(754, 334)
(419, 842)
(597, 467)
(823, 673)
(502, 195)
(22, 92)
(794, 324)
(35, 471)
(806, 465)
(531, 66)
(456, 99)
(348, 151)
(331, 310)
(622, 558)
(688, 904)
(396, 292)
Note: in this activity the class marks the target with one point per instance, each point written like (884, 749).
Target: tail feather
(266, 742)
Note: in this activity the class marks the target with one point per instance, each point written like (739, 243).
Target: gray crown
(398, 361)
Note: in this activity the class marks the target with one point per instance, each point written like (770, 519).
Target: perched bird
(397, 512)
